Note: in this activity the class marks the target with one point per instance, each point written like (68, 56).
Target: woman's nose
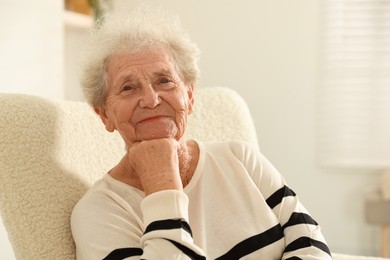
(149, 98)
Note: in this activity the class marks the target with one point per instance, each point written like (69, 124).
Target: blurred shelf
(77, 20)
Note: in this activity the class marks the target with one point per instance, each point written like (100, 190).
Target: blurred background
(315, 75)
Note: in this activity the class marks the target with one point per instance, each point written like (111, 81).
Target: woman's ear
(191, 98)
(110, 127)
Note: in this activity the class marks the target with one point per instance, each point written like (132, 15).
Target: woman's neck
(188, 160)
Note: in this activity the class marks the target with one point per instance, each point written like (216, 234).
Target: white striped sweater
(237, 206)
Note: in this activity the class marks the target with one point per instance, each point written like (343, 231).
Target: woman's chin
(149, 131)
(150, 135)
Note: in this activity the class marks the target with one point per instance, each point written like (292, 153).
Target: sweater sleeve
(302, 234)
(110, 231)
(168, 234)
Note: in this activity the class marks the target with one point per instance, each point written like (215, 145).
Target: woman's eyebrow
(162, 71)
(123, 78)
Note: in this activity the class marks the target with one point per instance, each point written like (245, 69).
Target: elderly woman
(168, 197)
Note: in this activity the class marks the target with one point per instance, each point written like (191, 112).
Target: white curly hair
(128, 33)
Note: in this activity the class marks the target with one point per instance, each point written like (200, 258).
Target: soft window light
(354, 126)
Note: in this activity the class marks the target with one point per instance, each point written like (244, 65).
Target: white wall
(31, 46)
(267, 51)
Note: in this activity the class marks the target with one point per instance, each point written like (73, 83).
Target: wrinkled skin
(148, 104)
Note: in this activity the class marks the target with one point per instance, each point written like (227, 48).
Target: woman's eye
(127, 88)
(164, 81)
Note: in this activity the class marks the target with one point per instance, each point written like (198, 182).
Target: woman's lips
(151, 119)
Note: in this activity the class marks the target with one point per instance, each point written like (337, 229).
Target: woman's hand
(156, 163)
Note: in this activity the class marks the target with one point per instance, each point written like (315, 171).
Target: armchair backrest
(52, 151)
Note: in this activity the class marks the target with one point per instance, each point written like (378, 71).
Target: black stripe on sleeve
(188, 252)
(278, 196)
(168, 224)
(122, 253)
(303, 242)
(254, 243)
(299, 218)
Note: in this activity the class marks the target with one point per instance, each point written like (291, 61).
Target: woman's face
(146, 97)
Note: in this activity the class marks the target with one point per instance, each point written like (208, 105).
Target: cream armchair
(51, 152)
